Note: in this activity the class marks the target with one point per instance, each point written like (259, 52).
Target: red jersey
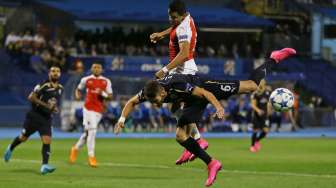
(185, 31)
(94, 86)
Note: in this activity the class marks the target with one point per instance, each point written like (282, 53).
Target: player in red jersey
(98, 88)
(182, 44)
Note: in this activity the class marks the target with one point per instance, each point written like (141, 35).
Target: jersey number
(227, 88)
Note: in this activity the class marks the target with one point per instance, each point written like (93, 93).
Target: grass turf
(149, 163)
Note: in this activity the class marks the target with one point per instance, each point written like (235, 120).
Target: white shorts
(91, 119)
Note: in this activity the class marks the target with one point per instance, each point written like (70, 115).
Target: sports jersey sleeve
(81, 84)
(183, 33)
(38, 89)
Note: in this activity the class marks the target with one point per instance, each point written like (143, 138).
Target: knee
(46, 140)
(247, 86)
(23, 138)
(266, 130)
(181, 137)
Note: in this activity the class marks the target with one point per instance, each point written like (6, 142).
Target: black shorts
(222, 89)
(259, 122)
(36, 122)
(191, 113)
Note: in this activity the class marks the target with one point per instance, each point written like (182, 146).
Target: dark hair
(151, 90)
(177, 6)
(97, 63)
(56, 66)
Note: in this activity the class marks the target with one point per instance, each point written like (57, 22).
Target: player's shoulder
(61, 86)
(104, 78)
(87, 77)
(43, 84)
(184, 25)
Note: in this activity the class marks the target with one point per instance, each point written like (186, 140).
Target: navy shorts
(36, 122)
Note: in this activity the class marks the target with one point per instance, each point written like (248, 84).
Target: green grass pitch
(149, 163)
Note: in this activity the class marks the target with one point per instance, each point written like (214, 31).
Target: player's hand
(154, 37)
(159, 74)
(118, 127)
(260, 112)
(219, 113)
(53, 108)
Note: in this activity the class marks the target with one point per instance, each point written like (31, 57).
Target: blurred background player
(44, 99)
(98, 88)
(261, 111)
(182, 44)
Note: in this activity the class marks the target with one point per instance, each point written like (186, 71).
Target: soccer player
(196, 93)
(261, 110)
(44, 98)
(98, 90)
(182, 44)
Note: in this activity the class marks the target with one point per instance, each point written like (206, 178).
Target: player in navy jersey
(44, 98)
(261, 111)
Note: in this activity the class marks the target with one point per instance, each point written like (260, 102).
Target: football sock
(91, 142)
(15, 143)
(191, 145)
(253, 138)
(260, 73)
(262, 135)
(80, 143)
(45, 153)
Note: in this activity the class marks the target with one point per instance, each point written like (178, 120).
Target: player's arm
(181, 57)
(128, 108)
(200, 92)
(154, 37)
(78, 94)
(80, 87)
(107, 94)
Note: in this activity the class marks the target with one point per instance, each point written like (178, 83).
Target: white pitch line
(330, 176)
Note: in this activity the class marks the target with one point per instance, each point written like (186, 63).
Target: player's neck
(54, 83)
(97, 76)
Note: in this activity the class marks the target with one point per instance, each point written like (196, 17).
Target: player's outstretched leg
(203, 144)
(191, 145)
(276, 57)
(282, 54)
(8, 153)
(188, 156)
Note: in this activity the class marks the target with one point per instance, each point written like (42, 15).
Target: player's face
(159, 97)
(96, 69)
(174, 18)
(54, 73)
